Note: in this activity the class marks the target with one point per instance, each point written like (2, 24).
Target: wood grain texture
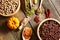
(6, 34)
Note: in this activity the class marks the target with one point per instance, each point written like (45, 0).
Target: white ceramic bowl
(14, 12)
(42, 23)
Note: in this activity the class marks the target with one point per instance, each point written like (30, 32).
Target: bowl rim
(14, 12)
(42, 23)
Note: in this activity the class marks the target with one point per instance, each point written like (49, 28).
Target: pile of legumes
(8, 6)
(50, 30)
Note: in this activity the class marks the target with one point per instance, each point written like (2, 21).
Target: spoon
(25, 38)
(24, 22)
(40, 6)
(24, 35)
(59, 38)
(40, 9)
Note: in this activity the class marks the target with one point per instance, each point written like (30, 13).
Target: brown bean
(50, 30)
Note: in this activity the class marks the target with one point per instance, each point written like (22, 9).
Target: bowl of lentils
(49, 29)
(9, 7)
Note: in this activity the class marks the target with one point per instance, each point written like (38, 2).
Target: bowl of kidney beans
(49, 29)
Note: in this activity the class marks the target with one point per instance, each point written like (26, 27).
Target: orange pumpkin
(13, 23)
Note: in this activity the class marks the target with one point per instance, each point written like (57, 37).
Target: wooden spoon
(25, 38)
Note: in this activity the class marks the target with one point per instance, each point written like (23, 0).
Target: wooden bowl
(14, 12)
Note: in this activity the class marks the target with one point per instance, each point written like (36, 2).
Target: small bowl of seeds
(9, 7)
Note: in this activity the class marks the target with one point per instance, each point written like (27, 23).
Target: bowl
(42, 23)
(14, 12)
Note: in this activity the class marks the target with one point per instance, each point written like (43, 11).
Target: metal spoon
(24, 22)
(24, 37)
(59, 38)
(40, 6)
(40, 9)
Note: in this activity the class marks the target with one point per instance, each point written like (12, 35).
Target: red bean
(36, 19)
(51, 32)
(47, 13)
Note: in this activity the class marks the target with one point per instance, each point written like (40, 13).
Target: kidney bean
(47, 13)
(50, 30)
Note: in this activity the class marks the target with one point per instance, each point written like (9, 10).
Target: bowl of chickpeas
(9, 7)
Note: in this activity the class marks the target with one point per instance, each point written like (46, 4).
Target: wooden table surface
(6, 34)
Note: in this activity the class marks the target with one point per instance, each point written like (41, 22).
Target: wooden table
(6, 34)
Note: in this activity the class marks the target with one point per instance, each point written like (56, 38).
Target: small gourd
(13, 23)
